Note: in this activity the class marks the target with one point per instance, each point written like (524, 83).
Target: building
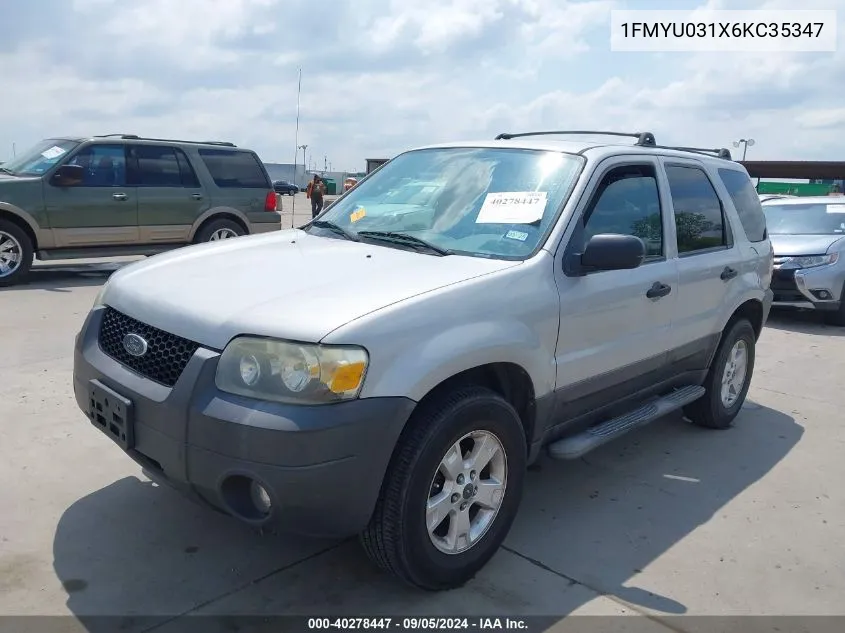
(299, 176)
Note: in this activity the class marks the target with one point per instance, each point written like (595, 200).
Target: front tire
(728, 380)
(16, 252)
(451, 491)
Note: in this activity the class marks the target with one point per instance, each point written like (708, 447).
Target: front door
(615, 326)
(170, 198)
(101, 210)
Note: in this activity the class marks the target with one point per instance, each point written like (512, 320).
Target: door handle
(658, 290)
(196, 196)
(728, 273)
(119, 196)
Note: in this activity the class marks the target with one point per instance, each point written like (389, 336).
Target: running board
(581, 444)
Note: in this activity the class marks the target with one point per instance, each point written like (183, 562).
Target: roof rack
(721, 152)
(643, 138)
(135, 137)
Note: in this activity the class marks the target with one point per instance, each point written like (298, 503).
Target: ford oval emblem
(134, 345)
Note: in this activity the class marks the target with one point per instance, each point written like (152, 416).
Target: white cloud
(382, 75)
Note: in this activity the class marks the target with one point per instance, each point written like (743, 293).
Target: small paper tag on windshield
(836, 208)
(357, 214)
(53, 152)
(516, 235)
(512, 207)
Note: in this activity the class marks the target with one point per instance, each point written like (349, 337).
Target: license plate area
(111, 413)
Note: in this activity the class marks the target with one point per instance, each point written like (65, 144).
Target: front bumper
(322, 466)
(821, 288)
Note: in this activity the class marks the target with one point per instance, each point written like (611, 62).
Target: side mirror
(609, 251)
(68, 175)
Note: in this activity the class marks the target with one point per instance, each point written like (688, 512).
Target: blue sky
(380, 76)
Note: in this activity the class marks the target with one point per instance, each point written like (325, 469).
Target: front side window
(483, 202)
(39, 158)
(699, 222)
(806, 219)
(103, 165)
(627, 203)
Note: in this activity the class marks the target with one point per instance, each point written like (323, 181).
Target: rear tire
(219, 230)
(16, 252)
(728, 380)
(482, 503)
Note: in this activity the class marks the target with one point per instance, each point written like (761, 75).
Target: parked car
(808, 237)
(113, 195)
(285, 188)
(562, 294)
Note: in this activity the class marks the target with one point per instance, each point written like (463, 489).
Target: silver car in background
(808, 238)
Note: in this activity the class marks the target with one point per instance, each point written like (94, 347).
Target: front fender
(420, 367)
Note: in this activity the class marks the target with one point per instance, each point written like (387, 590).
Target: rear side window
(235, 169)
(162, 166)
(699, 222)
(747, 203)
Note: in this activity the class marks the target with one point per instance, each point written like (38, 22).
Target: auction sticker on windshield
(512, 207)
(53, 152)
(836, 208)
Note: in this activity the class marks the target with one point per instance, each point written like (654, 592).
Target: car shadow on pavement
(803, 322)
(585, 529)
(64, 276)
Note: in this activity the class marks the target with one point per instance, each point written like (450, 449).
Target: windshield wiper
(331, 226)
(7, 170)
(404, 239)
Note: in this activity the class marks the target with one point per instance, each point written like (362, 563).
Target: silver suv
(532, 294)
(808, 237)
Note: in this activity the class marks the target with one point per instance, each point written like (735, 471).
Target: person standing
(316, 190)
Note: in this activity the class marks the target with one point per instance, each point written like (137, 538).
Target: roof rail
(135, 137)
(721, 152)
(643, 138)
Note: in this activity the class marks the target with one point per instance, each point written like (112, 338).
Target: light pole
(746, 143)
(296, 143)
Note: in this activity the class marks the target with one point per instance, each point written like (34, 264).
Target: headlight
(811, 261)
(269, 369)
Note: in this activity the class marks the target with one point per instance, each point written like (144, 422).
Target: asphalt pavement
(670, 521)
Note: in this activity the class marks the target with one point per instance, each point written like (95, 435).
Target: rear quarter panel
(246, 203)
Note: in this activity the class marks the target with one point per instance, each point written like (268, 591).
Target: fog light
(260, 497)
(821, 294)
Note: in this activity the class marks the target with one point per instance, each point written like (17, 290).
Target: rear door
(710, 261)
(170, 198)
(101, 210)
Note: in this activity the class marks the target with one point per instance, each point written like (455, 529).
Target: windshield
(485, 202)
(40, 158)
(806, 219)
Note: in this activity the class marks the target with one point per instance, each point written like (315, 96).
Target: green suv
(121, 194)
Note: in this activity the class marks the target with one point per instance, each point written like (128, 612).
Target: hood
(794, 245)
(288, 285)
(6, 179)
